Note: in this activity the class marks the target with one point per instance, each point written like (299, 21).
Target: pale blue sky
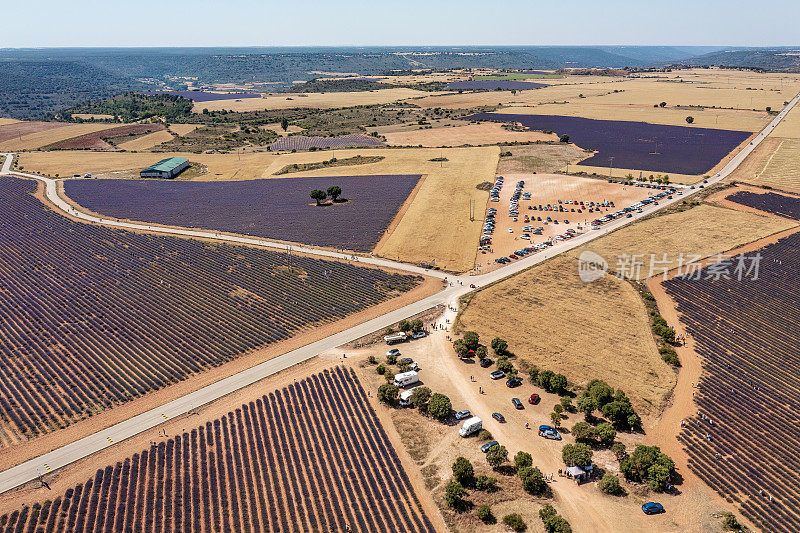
(35, 23)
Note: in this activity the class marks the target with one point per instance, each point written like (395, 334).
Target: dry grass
(4, 121)
(145, 142)
(780, 168)
(584, 330)
(539, 158)
(276, 127)
(38, 139)
(473, 134)
(624, 172)
(313, 100)
(183, 129)
(789, 126)
(703, 231)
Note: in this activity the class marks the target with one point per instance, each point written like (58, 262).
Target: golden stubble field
(584, 330)
(459, 135)
(145, 142)
(313, 100)
(778, 167)
(702, 231)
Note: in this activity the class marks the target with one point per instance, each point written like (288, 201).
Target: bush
(416, 325)
(544, 378)
(420, 397)
(486, 483)
(372, 360)
(471, 339)
(556, 419)
(729, 521)
(648, 464)
(534, 374)
(484, 435)
(460, 347)
(463, 472)
(497, 455)
(481, 352)
(391, 359)
(576, 455)
(566, 403)
(388, 393)
(558, 408)
(558, 384)
(504, 364)
(523, 459)
(454, 494)
(380, 369)
(669, 356)
(610, 485)
(403, 325)
(484, 513)
(564, 138)
(532, 480)
(389, 375)
(515, 522)
(553, 522)
(583, 432)
(619, 451)
(500, 346)
(439, 406)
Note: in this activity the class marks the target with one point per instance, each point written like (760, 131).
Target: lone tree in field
(463, 471)
(318, 195)
(689, 120)
(662, 104)
(284, 124)
(564, 138)
(334, 191)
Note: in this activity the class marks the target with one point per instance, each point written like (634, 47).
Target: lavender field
(301, 142)
(777, 204)
(506, 85)
(636, 145)
(272, 208)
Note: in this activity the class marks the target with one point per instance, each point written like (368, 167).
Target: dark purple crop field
(271, 208)
(744, 441)
(301, 142)
(636, 145)
(202, 96)
(777, 204)
(92, 317)
(491, 85)
(312, 456)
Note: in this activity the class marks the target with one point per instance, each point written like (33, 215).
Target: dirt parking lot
(550, 189)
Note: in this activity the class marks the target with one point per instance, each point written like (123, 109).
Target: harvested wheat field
(789, 126)
(780, 169)
(472, 134)
(601, 329)
(314, 100)
(16, 129)
(539, 158)
(47, 136)
(696, 233)
(183, 129)
(145, 142)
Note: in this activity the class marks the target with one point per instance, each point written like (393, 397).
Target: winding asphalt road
(456, 286)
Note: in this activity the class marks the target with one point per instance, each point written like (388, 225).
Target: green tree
(497, 455)
(689, 120)
(558, 384)
(471, 339)
(532, 480)
(504, 364)
(420, 397)
(460, 347)
(576, 455)
(439, 406)
(403, 325)
(515, 522)
(416, 325)
(600, 391)
(484, 513)
(606, 434)
(553, 522)
(619, 451)
(556, 419)
(334, 191)
(380, 369)
(640, 466)
(583, 432)
(481, 353)
(391, 359)
(566, 403)
(564, 138)
(523, 459)
(463, 471)
(318, 195)
(658, 477)
(729, 521)
(609, 484)
(533, 373)
(544, 378)
(454, 494)
(587, 405)
(500, 346)
(486, 483)
(484, 435)
(388, 393)
(284, 124)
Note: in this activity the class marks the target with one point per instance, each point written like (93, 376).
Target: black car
(486, 362)
(513, 382)
(500, 418)
(517, 403)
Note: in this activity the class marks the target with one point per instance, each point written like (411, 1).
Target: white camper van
(404, 379)
(470, 426)
(405, 397)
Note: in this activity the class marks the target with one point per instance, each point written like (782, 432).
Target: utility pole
(610, 165)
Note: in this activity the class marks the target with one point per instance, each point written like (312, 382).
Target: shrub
(497, 455)
(388, 393)
(500, 346)
(454, 494)
(486, 483)
(583, 432)
(439, 406)
(576, 455)
(669, 356)
(403, 325)
(372, 360)
(515, 522)
(416, 325)
(380, 369)
(648, 464)
(556, 419)
(481, 352)
(484, 513)
(460, 347)
(534, 374)
(558, 384)
(484, 435)
(504, 364)
(619, 451)
(523, 459)
(544, 378)
(689, 120)
(471, 339)
(389, 375)
(391, 359)
(553, 522)
(566, 403)
(558, 408)
(463, 472)
(729, 521)
(564, 138)
(610, 485)
(420, 397)
(532, 480)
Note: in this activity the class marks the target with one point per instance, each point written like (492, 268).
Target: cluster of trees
(548, 380)
(464, 477)
(614, 405)
(334, 191)
(133, 106)
(412, 326)
(532, 479)
(553, 522)
(650, 465)
(427, 402)
(577, 454)
(603, 434)
(471, 341)
(662, 330)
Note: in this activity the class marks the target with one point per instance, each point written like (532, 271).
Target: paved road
(457, 286)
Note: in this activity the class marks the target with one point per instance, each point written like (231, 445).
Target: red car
(534, 399)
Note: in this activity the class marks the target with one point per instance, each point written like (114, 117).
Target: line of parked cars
(628, 211)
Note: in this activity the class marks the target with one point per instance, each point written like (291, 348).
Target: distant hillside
(787, 59)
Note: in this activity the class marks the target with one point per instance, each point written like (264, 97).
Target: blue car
(490, 444)
(652, 508)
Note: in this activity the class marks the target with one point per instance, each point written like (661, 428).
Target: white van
(470, 426)
(405, 397)
(403, 379)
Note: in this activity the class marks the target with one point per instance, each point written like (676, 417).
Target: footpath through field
(457, 287)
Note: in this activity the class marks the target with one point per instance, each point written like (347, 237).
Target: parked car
(405, 361)
(517, 403)
(461, 415)
(652, 508)
(490, 444)
(500, 418)
(486, 362)
(534, 399)
(418, 335)
(497, 374)
(513, 382)
(393, 351)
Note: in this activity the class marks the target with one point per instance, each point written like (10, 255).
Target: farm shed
(166, 168)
